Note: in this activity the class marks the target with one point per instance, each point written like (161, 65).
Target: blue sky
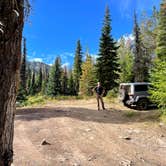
(55, 25)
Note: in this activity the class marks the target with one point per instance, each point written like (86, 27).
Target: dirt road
(79, 135)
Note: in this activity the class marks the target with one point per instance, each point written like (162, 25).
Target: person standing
(99, 90)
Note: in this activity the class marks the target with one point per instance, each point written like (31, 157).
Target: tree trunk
(11, 26)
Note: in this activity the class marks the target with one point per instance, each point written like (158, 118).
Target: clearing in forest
(77, 134)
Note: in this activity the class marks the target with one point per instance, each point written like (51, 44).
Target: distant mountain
(37, 65)
(129, 41)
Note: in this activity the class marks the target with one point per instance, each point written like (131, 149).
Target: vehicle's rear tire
(142, 104)
(125, 103)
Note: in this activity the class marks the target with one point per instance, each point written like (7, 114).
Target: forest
(140, 57)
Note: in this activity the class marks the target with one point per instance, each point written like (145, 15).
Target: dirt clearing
(79, 135)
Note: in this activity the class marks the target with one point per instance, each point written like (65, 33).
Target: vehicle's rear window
(126, 87)
(139, 88)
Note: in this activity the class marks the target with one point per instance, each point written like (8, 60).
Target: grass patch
(39, 100)
(34, 101)
(112, 93)
(66, 97)
(163, 116)
(130, 114)
(154, 116)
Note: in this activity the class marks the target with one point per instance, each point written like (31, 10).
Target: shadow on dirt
(84, 114)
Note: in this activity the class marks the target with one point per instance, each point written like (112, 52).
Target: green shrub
(35, 100)
(41, 100)
(158, 80)
(130, 114)
(112, 93)
(60, 97)
(163, 115)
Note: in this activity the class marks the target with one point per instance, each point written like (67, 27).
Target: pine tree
(161, 34)
(88, 78)
(54, 83)
(22, 91)
(158, 75)
(71, 85)
(158, 80)
(77, 66)
(107, 62)
(64, 81)
(39, 81)
(29, 78)
(139, 66)
(33, 85)
(45, 80)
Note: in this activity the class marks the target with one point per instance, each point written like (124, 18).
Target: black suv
(135, 94)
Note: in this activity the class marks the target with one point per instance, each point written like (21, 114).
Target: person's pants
(100, 99)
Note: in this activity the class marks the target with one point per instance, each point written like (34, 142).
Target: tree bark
(11, 26)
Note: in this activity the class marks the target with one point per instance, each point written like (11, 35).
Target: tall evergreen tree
(64, 81)
(71, 85)
(107, 62)
(29, 78)
(33, 85)
(45, 80)
(54, 83)
(39, 81)
(139, 72)
(77, 66)
(22, 91)
(158, 80)
(158, 75)
(161, 34)
(88, 78)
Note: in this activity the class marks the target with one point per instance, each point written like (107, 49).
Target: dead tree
(11, 27)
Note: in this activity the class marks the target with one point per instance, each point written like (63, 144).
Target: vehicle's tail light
(131, 96)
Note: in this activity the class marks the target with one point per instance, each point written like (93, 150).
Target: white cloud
(147, 4)
(128, 37)
(66, 55)
(67, 64)
(69, 54)
(127, 7)
(37, 60)
(49, 58)
(95, 56)
(125, 4)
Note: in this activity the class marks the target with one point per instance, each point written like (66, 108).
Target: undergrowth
(39, 100)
